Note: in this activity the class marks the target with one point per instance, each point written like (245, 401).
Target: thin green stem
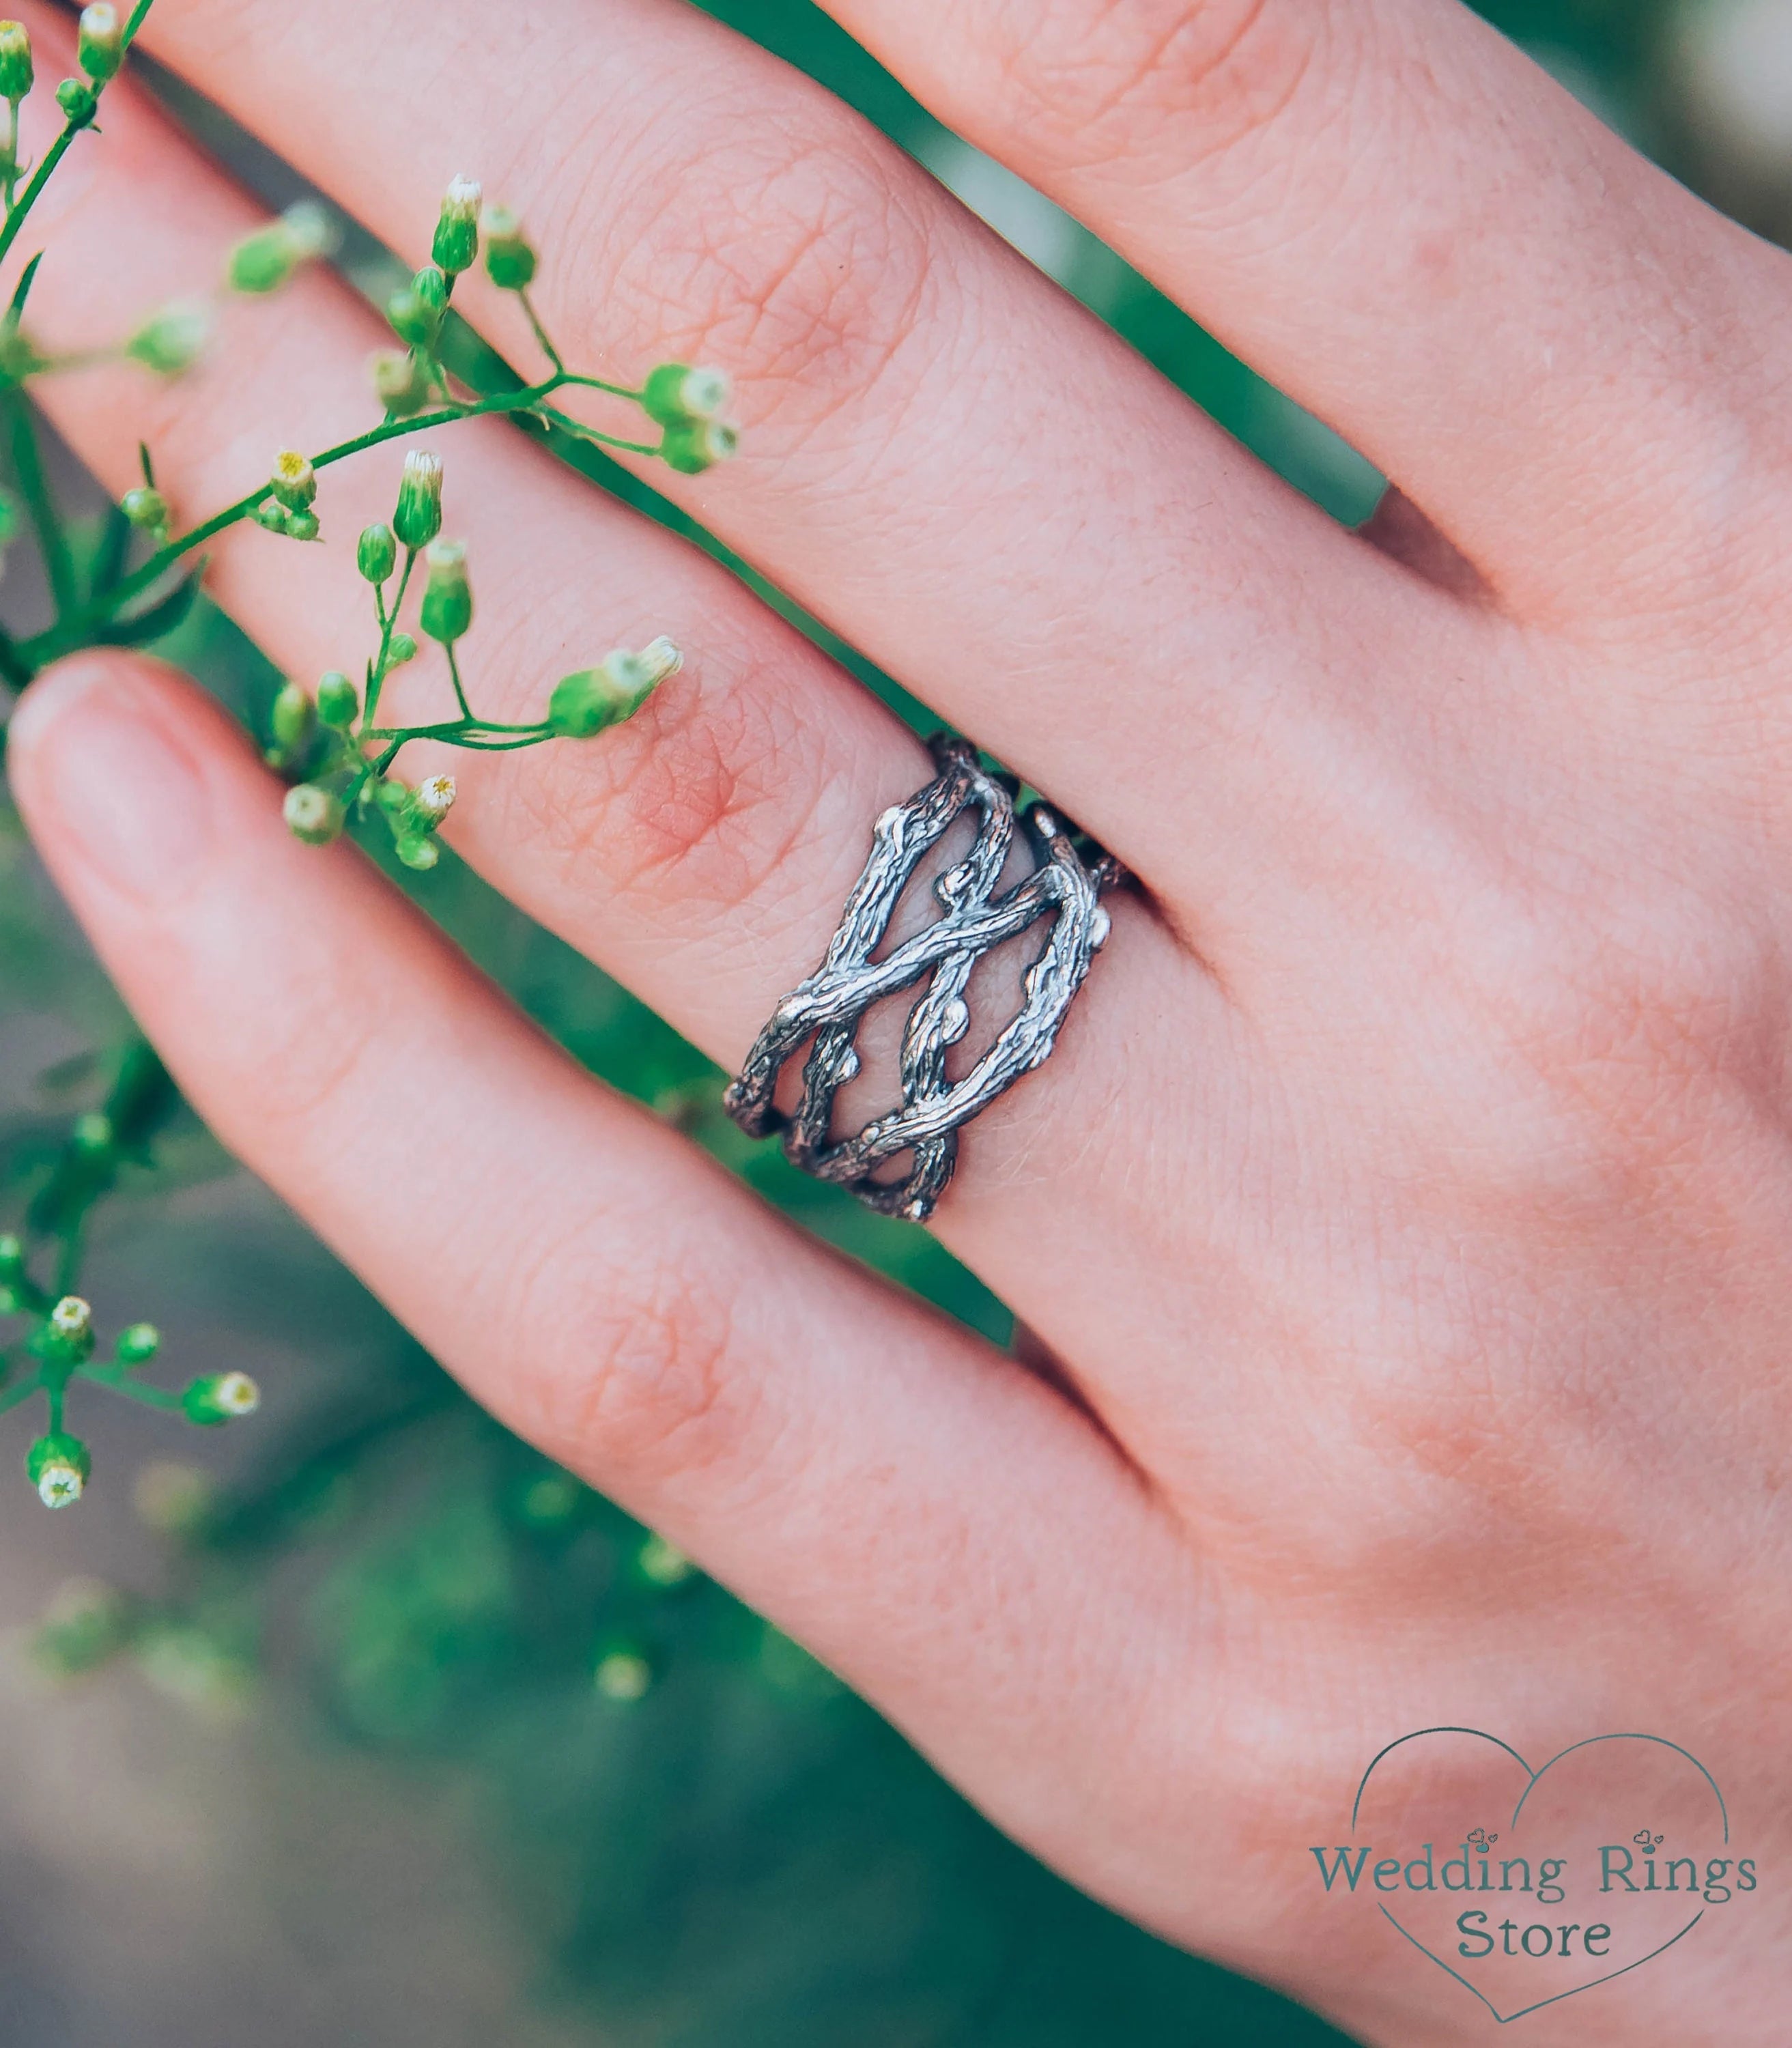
(477, 746)
(568, 425)
(18, 215)
(598, 384)
(85, 358)
(34, 488)
(547, 347)
(388, 626)
(463, 730)
(460, 687)
(133, 1390)
(66, 636)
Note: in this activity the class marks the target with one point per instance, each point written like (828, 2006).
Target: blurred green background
(371, 1726)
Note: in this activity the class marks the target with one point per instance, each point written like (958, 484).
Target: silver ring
(824, 1011)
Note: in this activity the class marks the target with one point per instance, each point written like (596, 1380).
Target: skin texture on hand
(1409, 1205)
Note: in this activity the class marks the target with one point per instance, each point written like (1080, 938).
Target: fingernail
(105, 774)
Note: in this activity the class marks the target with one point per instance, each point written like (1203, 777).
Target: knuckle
(1641, 1033)
(640, 1382)
(1089, 83)
(695, 803)
(309, 1064)
(801, 261)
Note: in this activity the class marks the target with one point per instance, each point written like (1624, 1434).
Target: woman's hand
(1409, 1201)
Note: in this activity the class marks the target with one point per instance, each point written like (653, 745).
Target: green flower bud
(417, 850)
(100, 45)
(457, 230)
(312, 814)
(586, 703)
(415, 314)
(93, 1132)
(338, 702)
(510, 262)
(551, 1500)
(400, 382)
(661, 1565)
(59, 1466)
(220, 1397)
(376, 553)
(418, 518)
(138, 1344)
(447, 609)
(624, 1674)
(67, 1334)
(15, 61)
(265, 261)
(393, 795)
(147, 510)
(302, 526)
(174, 338)
(293, 716)
(294, 482)
(271, 515)
(676, 394)
(695, 445)
(403, 649)
(79, 102)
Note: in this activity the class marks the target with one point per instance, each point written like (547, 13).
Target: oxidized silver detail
(824, 1011)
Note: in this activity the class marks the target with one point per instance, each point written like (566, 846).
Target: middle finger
(957, 467)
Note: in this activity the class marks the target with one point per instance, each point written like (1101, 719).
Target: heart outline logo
(1533, 1779)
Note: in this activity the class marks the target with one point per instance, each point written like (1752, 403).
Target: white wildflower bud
(695, 445)
(510, 259)
(447, 609)
(418, 518)
(221, 1397)
(312, 814)
(677, 395)
(59, 1466)
(457, 230)
(400, 382)
(172, 338)
(264, 261)
(237, 1394)
(100, 46)
(15, 62)
(434, 798)
(586, 703)
(657, 660)
(294, 482)
(71, 1316)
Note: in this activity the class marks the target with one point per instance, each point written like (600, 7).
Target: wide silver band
(825, 1011)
